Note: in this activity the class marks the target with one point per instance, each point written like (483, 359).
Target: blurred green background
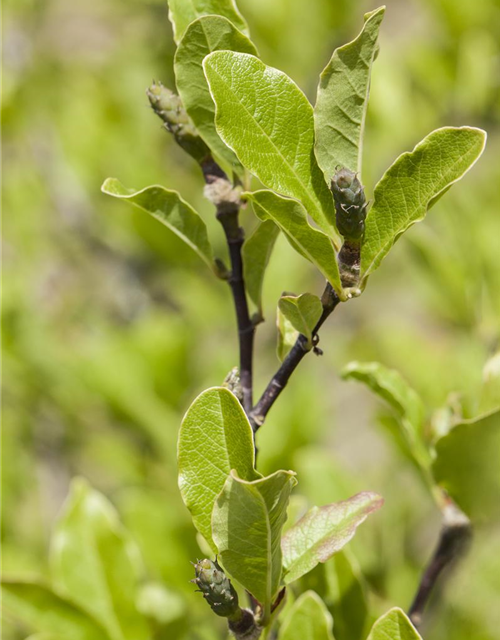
(111, 326)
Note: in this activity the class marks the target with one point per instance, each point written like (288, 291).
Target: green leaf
(467, 466)
(171, 210)
(342, 100)
(490, 392)
(265, 118)
(413, 184)
(308, 619)
(94, 562)
(323, 531)
(349, 603)
(389, 385)
(287, 335)
(205, 35)
(247, 521)
(215, 437)
(393, 625)
(256, 253)
(39, 607)
(311, 243)
(182, 12)
(303, 312)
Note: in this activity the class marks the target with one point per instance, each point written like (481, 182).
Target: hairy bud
(350, 205)
(168, 106)
(217, 589)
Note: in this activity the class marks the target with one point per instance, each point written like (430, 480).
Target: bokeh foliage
(111, 326)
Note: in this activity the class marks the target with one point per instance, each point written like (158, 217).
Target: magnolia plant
(238, 117)
(246, 123)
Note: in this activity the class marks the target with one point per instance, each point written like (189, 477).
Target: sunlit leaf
(205, 35)
(323, 531)
(171, 210)
(94, 563)
(303, 312)
(247, 522)
(265, 118)
(287, 335)
(291, 217)
(183, 12)
(308, 619)
(215, 437)
(413, 184)
(393, 625)
(342, 100)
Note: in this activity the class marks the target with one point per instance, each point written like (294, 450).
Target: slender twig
(301, 347)
(453, 540)
(226, 200)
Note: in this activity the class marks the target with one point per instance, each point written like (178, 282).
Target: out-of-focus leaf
(490, 393)
(323, 531)
(171, 210)
(303, 312)
(413, 183)
(265, 118)
(215, 437)
(393, 625)
(39, 607)
(308, 619)
(291, 217)
(349, 605)
(287, 335)
(467, 466)
(342, 100)
(247, 522)
(183, 12)
(391, 387)
(160, 604)
(205, 35)
(94, 563)
(256, 254)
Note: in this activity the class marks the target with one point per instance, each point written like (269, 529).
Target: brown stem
(453, 540)
(280, 379)
(228, 208)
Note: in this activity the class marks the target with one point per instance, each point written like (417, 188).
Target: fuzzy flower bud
(350, 204)
(217, 589)
(168, 106)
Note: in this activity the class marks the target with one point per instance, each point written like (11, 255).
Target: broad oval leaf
(394, 625)
(291, 218)
(94, 563)
(467, 466)
(342, 100)
(413, 183)
(171, 210)
(182, 12)
(265, 118)
(37, 606)
(308, 619)
(303, 312)
(215, 437)
(256, 253)
(247, 522)
(389, 385)
(203, 36)
(323, 531)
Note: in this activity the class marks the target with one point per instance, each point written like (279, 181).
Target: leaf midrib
(292, 170)
(425, 205)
